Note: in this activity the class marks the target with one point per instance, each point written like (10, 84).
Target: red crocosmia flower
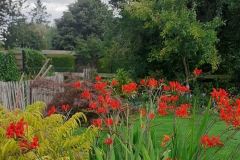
(76, 85)
(101, 99)
(143, 82)
(152, 83)
(108, 141)
(93, 105)
(165, 140)
(98, 78)
(101, 110)
(52, 110)
(162, 109)
(174, 98)
(129, 88)
(151, 116)
(220, 93)
(114, 83)
(65, 107)
(35, 143)
(97, 122)
(197, 72)
(166, 88)
(108, 99)
(109, 122)
(11, 130)
(208, 141)
(114, 104)
(182, 110)
(143, 112)
(86, 95)
(16, 129)
(100, 86)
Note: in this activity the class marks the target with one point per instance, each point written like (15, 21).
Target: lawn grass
(163, 125)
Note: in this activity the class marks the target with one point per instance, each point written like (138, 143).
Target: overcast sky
(54, 7)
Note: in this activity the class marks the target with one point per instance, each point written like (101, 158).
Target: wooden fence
(20, 94)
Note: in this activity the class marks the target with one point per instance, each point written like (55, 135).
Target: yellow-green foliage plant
(57, 138)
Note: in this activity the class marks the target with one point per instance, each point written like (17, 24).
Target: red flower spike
(109, 122)
(114, 104)
(16, 129)
(182, 110)
(65, 107)
(197, 72)
(52, 110)
(86, 95)
(208, 141)
(152, 83)
(114, 83)
(98, 78)
(76, 85)
(108, 141)
(162, 109)
(165, 140)
(92, 105)
(129, 88)
(143, 82)
(101, 110)
(100, 86)
(97, 122)
(151, 116)
(35, 143)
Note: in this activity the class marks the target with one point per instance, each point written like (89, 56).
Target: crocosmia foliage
(28, 135)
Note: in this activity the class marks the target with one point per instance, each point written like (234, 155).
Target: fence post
(23, 61)
(89, 73)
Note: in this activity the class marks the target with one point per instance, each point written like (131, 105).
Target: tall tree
(166, 37)
(10, 10)
(27, 35)
(39, 13)
(84, 18)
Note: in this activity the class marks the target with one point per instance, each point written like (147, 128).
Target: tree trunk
(186, 70)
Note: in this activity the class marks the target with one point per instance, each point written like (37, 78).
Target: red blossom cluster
(114, 83)
(108, 141)
(151, 83)
(176, 87)
(229, 109)
(99, 122)
(17, 131)
(168, 102)
(165, 140)
(129, 88)
(211, 141)
(197, 72)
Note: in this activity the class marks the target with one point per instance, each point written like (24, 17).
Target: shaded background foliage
(142, 37)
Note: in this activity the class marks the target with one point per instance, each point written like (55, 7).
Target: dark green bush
(34, 60)
(8, 67)
(63, 63)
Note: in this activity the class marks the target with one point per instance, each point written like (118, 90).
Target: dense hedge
(34, 61)
(8, 67)
(63, 63)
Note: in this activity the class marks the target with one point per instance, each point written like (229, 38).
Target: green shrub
(63, 63)
(9, 70)
(34, 61)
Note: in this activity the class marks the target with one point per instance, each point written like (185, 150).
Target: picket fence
(20, 94)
